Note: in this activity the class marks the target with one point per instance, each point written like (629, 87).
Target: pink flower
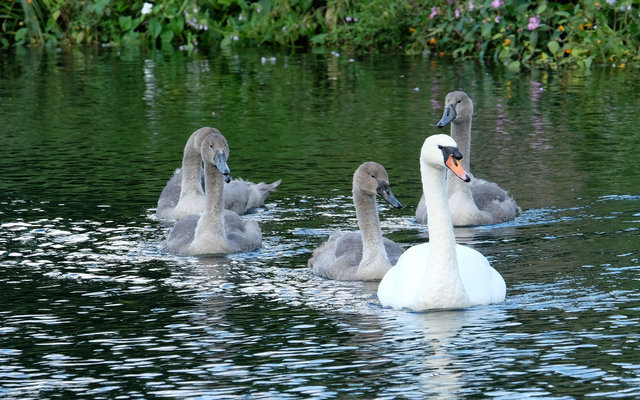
(434, 12)
(471, 6)
(497, 3)
(534, 22)
(457, 13)
(497, 19)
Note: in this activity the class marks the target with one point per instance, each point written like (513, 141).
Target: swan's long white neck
(212, 220)
(442, 263)
(369, 224)
(191, 162)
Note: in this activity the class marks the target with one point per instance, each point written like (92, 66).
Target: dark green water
(93, 306)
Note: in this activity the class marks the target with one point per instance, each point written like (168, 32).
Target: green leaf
(541, 8)
(166, 37)
(21, 34)
(486, 30)
(176, 25)
(514, 66)
(155, 27)
(265, 6)
(553, 47)
(588, 61)
(319, 39)
(226, 42)
(125, 23)
(100, 5)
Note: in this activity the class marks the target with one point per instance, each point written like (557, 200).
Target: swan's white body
(184, 193)
(478, 202)
(216, 230)
(363, 255)
(440, 274)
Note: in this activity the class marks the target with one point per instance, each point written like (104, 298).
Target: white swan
(364, 255)
(216, 230)
(440, 274)
(184, 193)
(478, 202)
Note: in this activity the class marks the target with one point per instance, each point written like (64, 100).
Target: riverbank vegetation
(515, 33)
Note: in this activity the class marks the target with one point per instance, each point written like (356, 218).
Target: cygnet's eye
(373, 176)
(459, 101)
(211, 146)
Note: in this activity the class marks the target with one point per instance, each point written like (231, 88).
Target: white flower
(146, 8)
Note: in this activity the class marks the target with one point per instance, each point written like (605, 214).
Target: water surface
(94, 306)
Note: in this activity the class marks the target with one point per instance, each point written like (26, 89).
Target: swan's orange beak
(456, 167)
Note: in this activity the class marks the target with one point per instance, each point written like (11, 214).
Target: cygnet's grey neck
(369, 224)
(213, 216)
(191, 163)
(461, 133)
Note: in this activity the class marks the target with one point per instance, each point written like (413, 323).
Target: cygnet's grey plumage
(363, 255)
(243, 196)
(184, 193)
(477, 202)
(216, 230)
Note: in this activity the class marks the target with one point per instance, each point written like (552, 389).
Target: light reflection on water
(94, 306)
(258, 323)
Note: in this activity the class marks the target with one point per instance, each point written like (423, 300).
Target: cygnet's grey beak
(384, 190)
(220, 160)
(448, 116)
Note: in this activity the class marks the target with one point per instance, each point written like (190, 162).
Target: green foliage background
(567, 33)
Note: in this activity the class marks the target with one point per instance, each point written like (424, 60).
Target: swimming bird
(366, 254)
(478, 202)
(184, 192)
(440, 274)
(216, 230)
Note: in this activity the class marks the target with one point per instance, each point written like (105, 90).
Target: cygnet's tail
(258, 193)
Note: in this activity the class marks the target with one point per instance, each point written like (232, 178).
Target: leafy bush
(515, 33)
(518, 33)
